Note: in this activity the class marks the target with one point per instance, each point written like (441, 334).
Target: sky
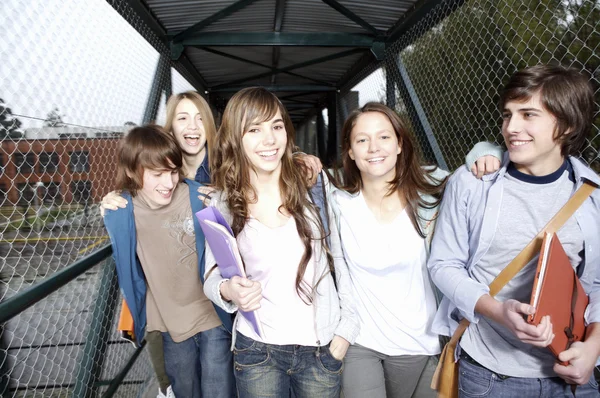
(79, 56)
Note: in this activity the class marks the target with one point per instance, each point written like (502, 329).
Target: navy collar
(547, 179)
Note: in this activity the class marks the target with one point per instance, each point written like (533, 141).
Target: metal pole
(421, 116)
(94, 352)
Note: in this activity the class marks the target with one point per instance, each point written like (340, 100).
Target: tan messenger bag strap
(523, 258)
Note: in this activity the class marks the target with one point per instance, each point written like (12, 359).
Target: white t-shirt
(272, 256)
(394, 298)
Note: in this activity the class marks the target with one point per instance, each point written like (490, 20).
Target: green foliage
(459, 66)
(9, 124)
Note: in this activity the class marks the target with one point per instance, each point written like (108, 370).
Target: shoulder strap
(523, 258)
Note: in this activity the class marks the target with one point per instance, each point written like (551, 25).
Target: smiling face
(265, 143)
(188, 128)
(374, 146)
(158, 186)
(529, 133)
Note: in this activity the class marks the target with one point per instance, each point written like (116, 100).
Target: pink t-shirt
(272, 256)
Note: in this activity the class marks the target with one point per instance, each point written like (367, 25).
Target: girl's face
(188, 128)
(265, 143)
(374, 146)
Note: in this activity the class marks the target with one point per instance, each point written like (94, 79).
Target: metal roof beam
(351, 16)
(287, 69)
(272, 70)
(279, 12)
(325, 39)
(238, 5)
(418, 12)
(278, 88)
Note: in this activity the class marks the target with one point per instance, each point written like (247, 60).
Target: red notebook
(557, 292)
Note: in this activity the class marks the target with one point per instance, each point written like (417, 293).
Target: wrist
(489, 307)
(224, 290)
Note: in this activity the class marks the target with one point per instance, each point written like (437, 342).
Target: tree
(54, 119)
(9, 124)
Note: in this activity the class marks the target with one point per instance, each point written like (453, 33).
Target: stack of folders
(557, 292)
(223, 245)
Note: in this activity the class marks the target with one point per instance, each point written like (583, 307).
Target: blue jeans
(477, 381)
(269, 370)
(202, 365)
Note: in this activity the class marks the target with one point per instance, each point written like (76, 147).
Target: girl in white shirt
(386, 212)
(263, 194)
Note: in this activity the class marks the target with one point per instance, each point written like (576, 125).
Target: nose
(167, 180)
(512, 125)
(269, 137)
(194, 124)
(373, 147)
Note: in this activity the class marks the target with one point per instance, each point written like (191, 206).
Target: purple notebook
(223, 245)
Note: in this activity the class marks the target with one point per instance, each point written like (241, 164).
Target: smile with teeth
(192, 139)
(164, 192)
(267, 154)
(375, 160)
(519, 143)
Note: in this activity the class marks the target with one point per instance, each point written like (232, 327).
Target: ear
(351, 154)
(399, 148)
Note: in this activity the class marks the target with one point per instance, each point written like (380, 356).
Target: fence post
(390, 86)
(161, 82)
(96, 342)
(417, 114)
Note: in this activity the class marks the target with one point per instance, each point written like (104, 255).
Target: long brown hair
(231, 172)
(145, 147)
(411, 181)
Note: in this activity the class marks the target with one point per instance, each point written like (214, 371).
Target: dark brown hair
(411, 181)
(565, 93)
(231, 172)
(145, 147)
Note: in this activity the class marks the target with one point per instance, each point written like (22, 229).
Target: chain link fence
(445, 73)
(74, 78)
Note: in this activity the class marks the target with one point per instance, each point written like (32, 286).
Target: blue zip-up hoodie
(121, 228)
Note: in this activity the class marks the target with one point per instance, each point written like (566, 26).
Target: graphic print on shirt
(181, 228)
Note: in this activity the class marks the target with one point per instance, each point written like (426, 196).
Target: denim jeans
(477, 381)
(269, 370)
(202, 365)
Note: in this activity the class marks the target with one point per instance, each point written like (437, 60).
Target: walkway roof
(300, 49)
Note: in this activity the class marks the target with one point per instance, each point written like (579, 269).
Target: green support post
(92, 358)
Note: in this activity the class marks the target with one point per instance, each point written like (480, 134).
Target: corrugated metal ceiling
(219, 63)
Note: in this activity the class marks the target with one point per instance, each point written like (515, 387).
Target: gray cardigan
(334, 309)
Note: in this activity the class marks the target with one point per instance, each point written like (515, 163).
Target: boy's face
(528, 130)
(188, 128)
(158, 187)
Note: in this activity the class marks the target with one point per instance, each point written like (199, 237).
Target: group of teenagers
(355, 273)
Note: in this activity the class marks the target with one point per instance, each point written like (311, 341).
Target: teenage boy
(158, 248)
(483, 224)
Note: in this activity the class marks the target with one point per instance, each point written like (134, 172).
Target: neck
(265, 183)
(192, 162)
(375, 190)
(541, 169)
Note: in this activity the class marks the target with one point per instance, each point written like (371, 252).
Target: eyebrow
(524, 110)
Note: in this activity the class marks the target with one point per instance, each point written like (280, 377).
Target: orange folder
(557, 292)
(125, 325)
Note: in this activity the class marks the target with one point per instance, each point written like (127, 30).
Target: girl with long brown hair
(386, 212)
(262, 192)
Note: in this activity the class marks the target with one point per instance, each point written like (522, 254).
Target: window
(51, 195)
(26, 193)
(3, 191)
(79, 162)
(48, 162)
(82, 191)
(24, 162)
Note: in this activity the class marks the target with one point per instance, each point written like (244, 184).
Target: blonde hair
(208, 120)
